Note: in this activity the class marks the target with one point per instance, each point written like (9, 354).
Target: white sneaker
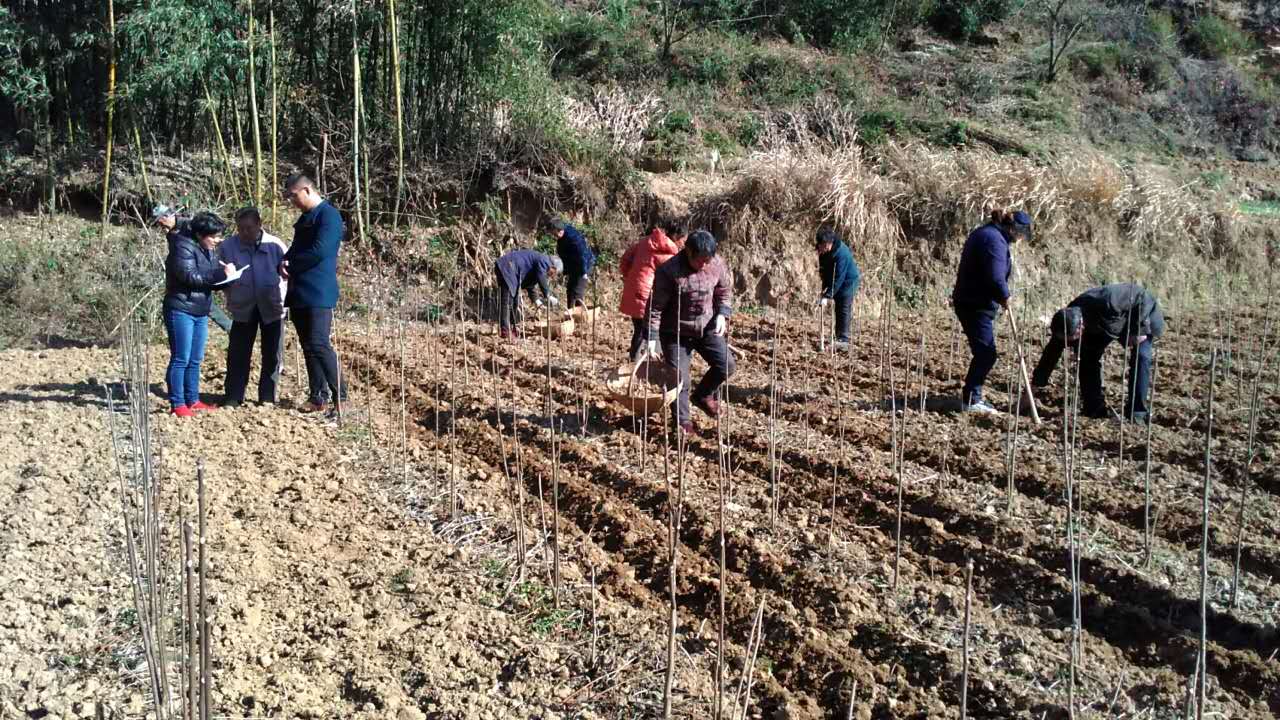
(981, 406)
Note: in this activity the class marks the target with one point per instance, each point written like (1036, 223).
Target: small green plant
(1269, 208)
(546, 622)
(401, 580)
(1213, 179)
(749, 130)
(1216, 38)
(879, 125)
(495, 568)
(715, 139)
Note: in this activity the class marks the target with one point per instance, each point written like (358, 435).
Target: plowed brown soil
(369, 567)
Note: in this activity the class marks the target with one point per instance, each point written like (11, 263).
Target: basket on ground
(585, 316)
(557, 328)
(643, 388)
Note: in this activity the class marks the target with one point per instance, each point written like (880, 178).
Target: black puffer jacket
(190, 274)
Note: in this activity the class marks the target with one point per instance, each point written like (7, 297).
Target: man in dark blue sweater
(982, 288)
(840, 280)
(311, 267)
(577, 257)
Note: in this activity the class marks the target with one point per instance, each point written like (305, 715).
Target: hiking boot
(687, 429)
(708, 405)
(230, 404)
(183, 411)
(201, 406)
(841, 345)
(978, 406)
(311, 407)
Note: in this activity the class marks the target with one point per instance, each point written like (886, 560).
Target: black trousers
(979, 327)
(508, 304)
(639, 336)
(575, 287)
(240, 355)
(678, 356)
(1092, 393)
(844, 316)
(323, 376)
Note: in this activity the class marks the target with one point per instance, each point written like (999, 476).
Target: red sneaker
(183, 411)
(709, 405)
(200, 406)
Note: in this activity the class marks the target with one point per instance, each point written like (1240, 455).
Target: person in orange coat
(637, 267)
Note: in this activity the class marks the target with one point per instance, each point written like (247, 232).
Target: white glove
(719, 327)
(551, 299)
(823, 302)
(652, 349)
(538, 303)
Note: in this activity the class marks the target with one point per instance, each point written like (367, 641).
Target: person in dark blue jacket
(166, 218)
(523, 269)
(577, 257)
(191, 272)
(840, 280)
(982, 288)
(311, 267)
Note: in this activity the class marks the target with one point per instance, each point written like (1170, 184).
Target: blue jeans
(979, 328)
(187, 335)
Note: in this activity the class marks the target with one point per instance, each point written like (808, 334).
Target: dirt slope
(331, 597)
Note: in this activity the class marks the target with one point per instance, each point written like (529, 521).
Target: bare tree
(1064, 20)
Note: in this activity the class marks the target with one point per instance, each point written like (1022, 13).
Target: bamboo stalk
(1249, 458)
(754, 641)
(675, 510)
(1201, 682)
(275, 170)
(206, 678)
(253, 112)
(555, 516)
(1148, 525)
(190, 625)
(142, 163)
(355, 125)
(394, 28)
(595, 627)
(721, 492)
(217, 134)
(111, 111)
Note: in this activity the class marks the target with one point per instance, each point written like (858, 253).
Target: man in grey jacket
(1124, 312)
(255, 301)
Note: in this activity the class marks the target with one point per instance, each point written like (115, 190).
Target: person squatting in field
(578, 260)
(256, 302)
(689, 312)
(311, 267)
(192, 271)
(840, 279)
(1123, 312)
(638, 265)
(981, 290)
(523, 269)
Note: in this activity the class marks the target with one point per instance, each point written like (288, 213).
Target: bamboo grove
(395, 84)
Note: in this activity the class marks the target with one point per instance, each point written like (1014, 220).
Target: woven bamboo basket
(643, 388)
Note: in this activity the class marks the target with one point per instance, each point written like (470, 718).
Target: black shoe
(1100, 413)
(229, 404)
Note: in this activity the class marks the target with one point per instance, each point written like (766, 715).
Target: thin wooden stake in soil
(964, 675)
(1148, 526)
(742, 698)
(206, 678)
(853, 695)
(1022, 364)
(595, 627)
(555, 516)
(1201, 685)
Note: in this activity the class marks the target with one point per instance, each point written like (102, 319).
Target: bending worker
(689, 312)
(840, 280)
(982, 288)
(577, 258)
(522, 269)
(1123, 312)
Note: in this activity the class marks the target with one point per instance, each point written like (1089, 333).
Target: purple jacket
(524, 269)
(684, 301)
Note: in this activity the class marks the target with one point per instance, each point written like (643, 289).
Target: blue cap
(1022, 224)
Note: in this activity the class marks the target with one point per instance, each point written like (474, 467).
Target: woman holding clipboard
(192, 271)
